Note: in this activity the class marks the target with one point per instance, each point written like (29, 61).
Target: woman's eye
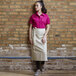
(36, 5)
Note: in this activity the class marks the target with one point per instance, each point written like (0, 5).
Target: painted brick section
(14, 16)
(25, 50)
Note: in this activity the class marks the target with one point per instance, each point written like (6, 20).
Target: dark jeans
(39, 64)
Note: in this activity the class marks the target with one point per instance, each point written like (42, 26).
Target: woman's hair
(43, 9)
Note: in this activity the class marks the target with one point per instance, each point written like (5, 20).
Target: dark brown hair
(43, 9)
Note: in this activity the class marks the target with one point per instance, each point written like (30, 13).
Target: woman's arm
(47, 29)
(30, 31)
(45, 34)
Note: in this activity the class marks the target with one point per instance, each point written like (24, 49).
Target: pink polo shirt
(39, 21)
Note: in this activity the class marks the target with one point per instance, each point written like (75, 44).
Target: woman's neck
(39, 12)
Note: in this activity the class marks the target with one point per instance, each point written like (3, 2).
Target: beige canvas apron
(38, 49)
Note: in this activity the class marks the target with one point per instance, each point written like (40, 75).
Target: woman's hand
(44, 39)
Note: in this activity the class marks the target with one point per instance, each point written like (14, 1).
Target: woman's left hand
(44, 39)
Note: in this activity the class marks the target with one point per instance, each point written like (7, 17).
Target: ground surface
(46, 73)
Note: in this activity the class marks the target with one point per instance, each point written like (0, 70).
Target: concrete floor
(46, 73)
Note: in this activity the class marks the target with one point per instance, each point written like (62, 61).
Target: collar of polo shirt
(38, 14)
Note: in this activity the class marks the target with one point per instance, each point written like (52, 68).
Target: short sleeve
(47, 20)
(31, 20)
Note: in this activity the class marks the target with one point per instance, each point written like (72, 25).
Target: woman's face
(37, 6)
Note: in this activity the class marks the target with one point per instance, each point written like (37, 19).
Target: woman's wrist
(45, 34)
(30, 37)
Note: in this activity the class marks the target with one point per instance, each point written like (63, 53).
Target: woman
(38, 30)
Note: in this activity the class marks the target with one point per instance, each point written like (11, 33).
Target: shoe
(37, 72)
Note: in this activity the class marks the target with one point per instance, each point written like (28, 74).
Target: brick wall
(14, 16)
